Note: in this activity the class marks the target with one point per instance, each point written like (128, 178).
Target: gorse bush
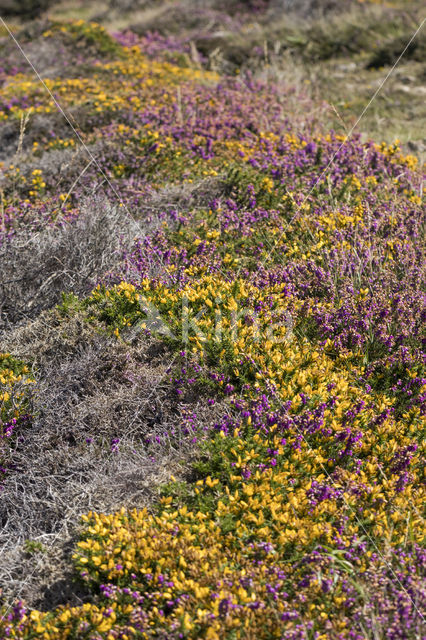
(241, 331)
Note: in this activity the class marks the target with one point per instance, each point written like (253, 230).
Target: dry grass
(36, 267)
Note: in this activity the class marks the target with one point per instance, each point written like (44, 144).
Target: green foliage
(89, 35)
(33, 547)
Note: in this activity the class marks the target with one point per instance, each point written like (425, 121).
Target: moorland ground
(211, 316)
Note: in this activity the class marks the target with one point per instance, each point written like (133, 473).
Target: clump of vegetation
(211, 367)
